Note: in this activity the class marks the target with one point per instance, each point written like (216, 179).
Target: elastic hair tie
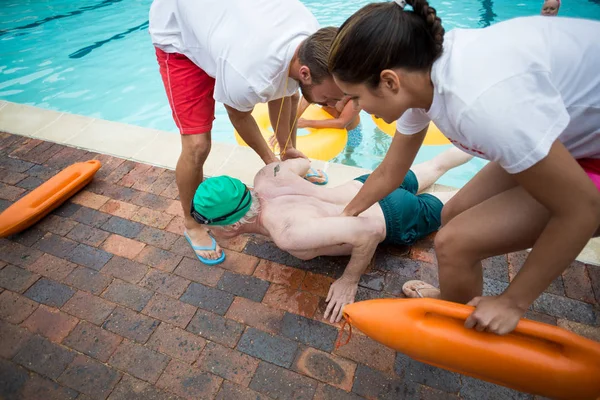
(401, 3)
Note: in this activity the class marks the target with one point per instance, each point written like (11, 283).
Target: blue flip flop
(211, 248)
(315, 174)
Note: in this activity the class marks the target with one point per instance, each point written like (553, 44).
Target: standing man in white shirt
(240, 53)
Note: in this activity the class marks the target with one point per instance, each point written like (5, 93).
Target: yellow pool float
(434, 136)
(319, 144)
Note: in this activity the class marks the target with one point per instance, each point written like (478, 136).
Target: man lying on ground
(305, 220)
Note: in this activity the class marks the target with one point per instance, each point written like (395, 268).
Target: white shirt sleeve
(233, 89)
(414, 120)
(516, 121)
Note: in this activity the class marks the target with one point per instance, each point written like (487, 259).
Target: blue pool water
(94, 57)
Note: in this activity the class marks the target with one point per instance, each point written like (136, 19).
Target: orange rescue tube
(535, 358)
(49, 195)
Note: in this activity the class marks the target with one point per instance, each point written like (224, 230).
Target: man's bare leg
(430, 171)
(188, 175)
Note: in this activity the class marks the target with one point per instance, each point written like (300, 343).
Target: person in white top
(523, 94)
(239, 53)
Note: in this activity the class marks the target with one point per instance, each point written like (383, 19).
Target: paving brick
(120, 171)
(11, 177)
(16, 279)
(176, 343)
(195, 271)
(175, 209)
(577, 283)
(144, 181)
(374, 384)
(66, 209)
(536, 316)
(232, 391)
(119, 208)
(496, 268)
(10, 193)
(169, 310)
(125, 269)
(216, 328)
(316, 284)
(227, 363)
(562, 307)
(30, 183)
(38, 154)
(88, 280)
(515, 263)
(49, 292)
(42, 172)
(13, 338)
(256, 315)
(151, 201)
(309, 332)
(182, 248)
(492, 287)
(476, 389)
(90, 377)
(89, 199)
(56, 224)
(156, 219)
(176, 225)
(171, 191)
(280, 383)
(13, 380)
(325, 367)
(27, 237)
(243, 285)
(136, 174)
(123, 227)
(14, 308)
(399, 265)
(130, 388)
(37, 387)
(160, 259)
(130, 324)
(590, 332)
(425, 374)
(239, 263)
(428, 393)
(280, 274)
(189, 382)
(162, 182)
(56, 245)
(17, 254)
(290, 300)
(90, 308)
(52, 267)
(87, 235)
(207, 298)
(171, 285)
(126, 294)
(65, 157)
(366, 351)
(139, 361)
(51, 323)
(594, 274)
(44, 357)
(157, 238)
(326, 392)
(121, 246)
(115, 192)
(93, 341)
(373, 280)
(90, 217)
(274, 349)
(15, 164)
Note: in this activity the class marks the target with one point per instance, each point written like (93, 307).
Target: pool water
(94, 57)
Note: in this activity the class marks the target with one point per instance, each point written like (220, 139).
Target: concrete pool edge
(158, 148)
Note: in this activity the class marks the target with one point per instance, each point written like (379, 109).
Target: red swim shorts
(592, 167)
(190, 92)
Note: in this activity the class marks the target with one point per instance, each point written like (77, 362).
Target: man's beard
(307, 92)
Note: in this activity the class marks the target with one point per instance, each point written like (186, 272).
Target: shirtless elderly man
(305, 220)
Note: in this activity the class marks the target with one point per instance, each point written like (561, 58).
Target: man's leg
(430, 171)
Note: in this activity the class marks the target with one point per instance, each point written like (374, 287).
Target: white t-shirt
(246, 45)
(505, 93)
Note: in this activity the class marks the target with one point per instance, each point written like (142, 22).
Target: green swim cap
(221, 200)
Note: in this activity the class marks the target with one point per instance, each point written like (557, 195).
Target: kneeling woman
(523, 94)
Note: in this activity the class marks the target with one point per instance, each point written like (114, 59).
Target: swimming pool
(94, 58)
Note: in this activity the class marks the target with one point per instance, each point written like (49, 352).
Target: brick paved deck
(104, 299)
